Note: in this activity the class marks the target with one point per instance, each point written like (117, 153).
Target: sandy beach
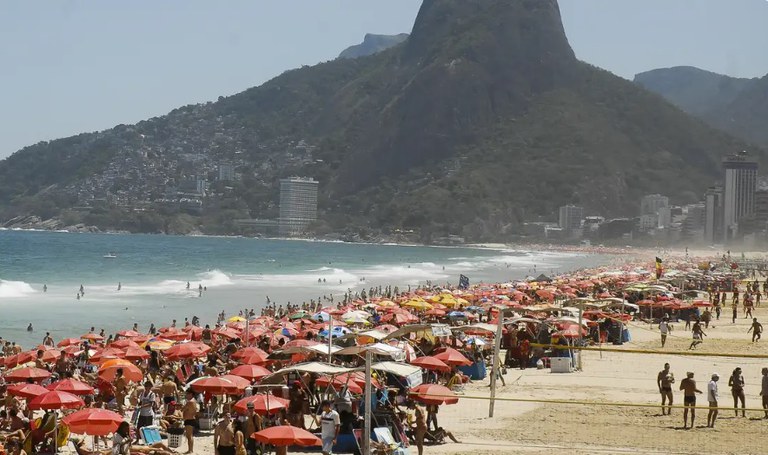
(524, 428)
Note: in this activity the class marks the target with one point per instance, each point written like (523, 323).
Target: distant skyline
(75, 66)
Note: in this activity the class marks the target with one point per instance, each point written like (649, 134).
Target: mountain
(693, 90)
(373, 44)
(736, 105)
(482, 119)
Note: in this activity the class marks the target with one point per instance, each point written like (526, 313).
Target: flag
(463, 282)
(659, 268)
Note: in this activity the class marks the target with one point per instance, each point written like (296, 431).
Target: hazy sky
(72, 66)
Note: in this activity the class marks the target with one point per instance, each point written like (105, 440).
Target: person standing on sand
(736, 383)
(664, 329)
(712, 396)
(764, 391)
(688, 386)
(735, 308)
(224, 436)
(664, 381)
(756, 330)
(189, 414)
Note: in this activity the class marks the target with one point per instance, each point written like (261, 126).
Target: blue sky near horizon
(75, 66)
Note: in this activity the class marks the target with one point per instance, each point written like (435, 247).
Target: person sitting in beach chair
(438, 436)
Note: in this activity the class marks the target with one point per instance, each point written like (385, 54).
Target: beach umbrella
(56, 399)
(356, 315)
(25, 390)
(72, 386)
(453, 357)
(431, 363)
(322, 316)
(93, 421)
(251, 372)
(285, 435)
(92, 337)
(335, 332)
(128, 333)
(226, 332)
(457, 314)
(262, 404)
(131, 372)
(136, 353)
(237, 319)
(435, 312)
(214, 385)
(24, 374)
(239, 382)
(298, 315)
(191, 350)
(107, 354)
(172, 333)
(418, 304)
(250, 355)
(51, 355)
(434, 394)
(69, 342)
(158, 344)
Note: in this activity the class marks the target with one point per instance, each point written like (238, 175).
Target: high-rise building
(651, 203)
(713, 215)
(298, 205)
(738, 191)
(571, 217)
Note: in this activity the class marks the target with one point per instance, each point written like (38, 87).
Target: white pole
(367, 426)
(330, 336)
(247, 328)
(581, 315)
(495, 367)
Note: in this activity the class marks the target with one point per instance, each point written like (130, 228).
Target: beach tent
(314, 348)
(435, 330)
(411, 374)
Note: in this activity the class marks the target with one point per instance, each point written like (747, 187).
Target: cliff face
(481, 119)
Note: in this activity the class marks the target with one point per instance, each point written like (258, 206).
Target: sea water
(153, 271)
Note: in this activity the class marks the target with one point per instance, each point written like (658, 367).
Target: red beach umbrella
(262, 404)
(214, 385)
(239, 382)
(453, 357)
(191, 350)
(431, 363)
(56, 399)
(92, 337)
(136, 353)
(434, 394)
(27, 391)
(130, 372)
(69, 342)
(23, 374)
(124, 344)
(285, 435)
(251, 372)
(93, 421)
(72, 386)
(128, 333)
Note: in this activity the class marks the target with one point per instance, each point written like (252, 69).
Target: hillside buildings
(298, 205)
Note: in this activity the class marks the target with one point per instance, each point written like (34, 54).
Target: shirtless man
(121, 389)
(688, 386)
(189, 413)
(224, 437)
(698, 335)
(664, 381)
(756, 330)
(169, 390)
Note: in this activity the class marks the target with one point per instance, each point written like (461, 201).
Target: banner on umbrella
(463, 282)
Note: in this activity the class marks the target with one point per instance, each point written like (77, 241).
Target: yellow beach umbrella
(236, 319)
(418, 305)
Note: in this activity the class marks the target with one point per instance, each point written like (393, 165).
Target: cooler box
(560, 365)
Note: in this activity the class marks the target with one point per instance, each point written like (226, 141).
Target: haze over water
(238, 273)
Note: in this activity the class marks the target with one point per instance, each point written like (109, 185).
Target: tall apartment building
(571, 217)
(298, 205)
(740, 184)
(713, 215)
(226, 173)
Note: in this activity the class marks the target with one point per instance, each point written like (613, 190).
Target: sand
(616, 377)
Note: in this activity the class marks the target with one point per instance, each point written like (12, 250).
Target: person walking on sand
(688, 386)
(664, 329)
(664, 381)
(735, 308)
(698, 335)
(712, 396)
(736, 383)
(756, 330)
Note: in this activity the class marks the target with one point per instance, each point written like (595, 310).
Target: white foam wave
(10, 289)
(336, 278)
(213, 278)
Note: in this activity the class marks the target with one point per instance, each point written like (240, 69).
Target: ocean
(239, 273)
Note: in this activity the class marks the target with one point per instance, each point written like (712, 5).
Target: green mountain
(736, 105)
(373, 44)
(693, 90)
(482, 119)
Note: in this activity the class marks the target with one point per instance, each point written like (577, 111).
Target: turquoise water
(238, 272)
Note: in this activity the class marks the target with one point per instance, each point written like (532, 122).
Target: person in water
(45, 288)
(29, 327)
(119, 286)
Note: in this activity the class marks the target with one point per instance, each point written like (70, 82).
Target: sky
(73, 66)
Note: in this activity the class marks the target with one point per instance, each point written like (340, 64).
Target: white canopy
(376, 348)
(477, 326)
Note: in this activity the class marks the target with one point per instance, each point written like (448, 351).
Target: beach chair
(151, 435)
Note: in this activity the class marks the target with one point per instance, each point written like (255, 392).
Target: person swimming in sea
(29, 327)
(119, 286)
(45, 288)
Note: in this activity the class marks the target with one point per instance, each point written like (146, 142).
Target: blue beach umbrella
(321, 317)
(456, 314)
(336, 332)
